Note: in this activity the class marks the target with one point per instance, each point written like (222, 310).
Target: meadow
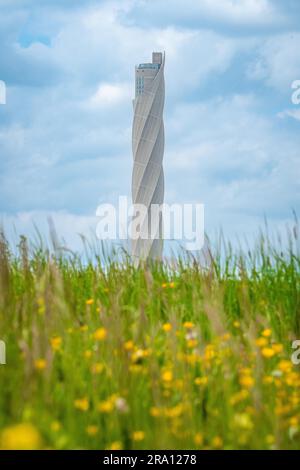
(103, 354)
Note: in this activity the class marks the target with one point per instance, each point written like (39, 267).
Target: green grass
(109, 355)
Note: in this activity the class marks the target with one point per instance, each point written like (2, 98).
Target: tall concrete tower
(148, 149)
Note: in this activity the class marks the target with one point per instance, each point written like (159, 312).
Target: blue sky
(232, 131)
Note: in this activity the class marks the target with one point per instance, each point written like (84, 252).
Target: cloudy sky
(232, 131)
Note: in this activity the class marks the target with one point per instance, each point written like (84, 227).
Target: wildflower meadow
(102, 354)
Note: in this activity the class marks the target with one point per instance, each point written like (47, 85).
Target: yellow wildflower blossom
(138, 436)
(155, 412)
(270, 439)
(116, 445)
(188, 325)
(22, 436)
(167, 327)
(277, 348)
(191, 343)
(55, 426)
(243, 421)
(128, 345)
(92, 430)
(268, 352)
(105, 406)
(198, 439)
(217, 442)
(285, 365)
(81, 404)
(267, 333)
(261, 342)
(167, 376)
(40, 364)
(246, 381)
(56, 343)
(201, 380)
(100, 334)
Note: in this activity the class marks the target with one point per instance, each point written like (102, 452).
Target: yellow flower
(243, 420)
(201, 380)
(268, 379)
(88, 354)
(261, 342)
(164, 285)
(209, 352)
(179, 383)
(138, 436)
(116, 445)
(188, 325)
(55, 426)
(42, 307)
(284, 365)
(282, 409)
(246, 381)
(105, 406)
(97, 368)
(277, 348)
(128, 345)
(238, 397)
(191, 343)
(236, 324)
(226, 337)
(172, 285)
(89, 301)
(267, 333)
(217, 442)
(20, 437)
(56, 342)
(292, 379)
(82, 404)
(155, 412)
(167, 327)
(294, 421)
(268, 352)
(270, 440)
(174, 411)
(40, 364)
(100, 334)
(167, 376)
(92, 430)
(198, 439)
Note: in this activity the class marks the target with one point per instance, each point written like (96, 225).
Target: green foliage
(104, 354)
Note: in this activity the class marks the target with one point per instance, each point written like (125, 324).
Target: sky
(232, 130)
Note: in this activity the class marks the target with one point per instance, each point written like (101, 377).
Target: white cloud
(242, 11)
(109, 94)
(237, 13)
(278, 61)
(293, 113)
(235, 160)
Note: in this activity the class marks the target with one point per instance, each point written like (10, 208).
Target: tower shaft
(148, 149)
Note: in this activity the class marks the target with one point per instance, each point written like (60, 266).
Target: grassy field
(105, 355)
